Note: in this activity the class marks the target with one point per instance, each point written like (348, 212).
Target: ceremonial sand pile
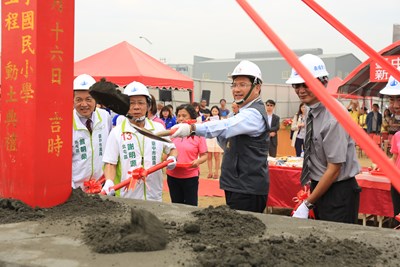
(217, 236)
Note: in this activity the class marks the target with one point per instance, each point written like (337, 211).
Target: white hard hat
(392, 87)
(247, 68)
(314, 64)
(136, 88)
(83, 82)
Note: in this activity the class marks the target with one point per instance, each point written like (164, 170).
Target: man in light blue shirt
(244, 139)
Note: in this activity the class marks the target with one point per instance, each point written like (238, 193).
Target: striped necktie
(89, 125)
(305, 173)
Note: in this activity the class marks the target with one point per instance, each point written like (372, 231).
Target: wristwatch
(309, 205)
(192, 129)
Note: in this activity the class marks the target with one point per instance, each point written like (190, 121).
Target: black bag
(291, 134)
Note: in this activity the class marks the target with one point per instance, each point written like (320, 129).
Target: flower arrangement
(287, 123)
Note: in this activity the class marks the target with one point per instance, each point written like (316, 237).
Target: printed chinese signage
(378, 74)
(37, 73)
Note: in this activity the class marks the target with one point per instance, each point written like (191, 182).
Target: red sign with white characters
(378, 74)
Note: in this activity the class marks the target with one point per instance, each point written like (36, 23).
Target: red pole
(143, 173)
(333, 106)
(37, 50)
(353, 38)
(158, 167)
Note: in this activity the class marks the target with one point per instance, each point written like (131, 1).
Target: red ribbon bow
(92, 186)
(136, 175)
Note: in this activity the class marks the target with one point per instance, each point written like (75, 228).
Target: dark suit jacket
(273, 141)
(370, 117)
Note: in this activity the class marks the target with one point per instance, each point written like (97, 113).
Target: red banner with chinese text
(36, 101)
(378, 74)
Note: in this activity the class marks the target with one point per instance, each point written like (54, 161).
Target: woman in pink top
(183, 182)
(395, 149)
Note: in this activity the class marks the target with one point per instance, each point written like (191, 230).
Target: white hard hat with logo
(314, 64)
(392, 87)
(247, 68)
(136, 88)
(83, 82)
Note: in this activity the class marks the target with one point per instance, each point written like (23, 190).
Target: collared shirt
(269, 119)
(331, 144)
(248, 121)
(84, 119)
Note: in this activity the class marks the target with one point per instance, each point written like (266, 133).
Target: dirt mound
(282, 251)
(78, 205)
(144, 232)
(217, 236)
(224, 237)
(13, 211)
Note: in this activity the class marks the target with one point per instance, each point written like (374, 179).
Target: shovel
(111, 98)
(138, 174)
(158, 136)
(119, 103)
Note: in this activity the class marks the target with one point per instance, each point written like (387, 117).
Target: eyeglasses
(299, 85)
(240, 85)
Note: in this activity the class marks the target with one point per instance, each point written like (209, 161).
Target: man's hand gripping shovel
(136, 175)
(159, 135)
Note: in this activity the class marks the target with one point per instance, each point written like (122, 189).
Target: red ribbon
(299, 198)
(92, 186)
(137, 175)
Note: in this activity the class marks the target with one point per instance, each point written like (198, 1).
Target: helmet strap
(241, 101)
(141, 119)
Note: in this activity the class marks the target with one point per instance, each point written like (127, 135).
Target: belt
(337, 182)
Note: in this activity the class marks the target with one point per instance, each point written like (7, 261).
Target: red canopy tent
(124, 63)
(358, 81)
(333, 87)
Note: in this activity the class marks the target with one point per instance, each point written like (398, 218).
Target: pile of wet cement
(78, 205)
(218, 237)
(224, 237)
(144, 232)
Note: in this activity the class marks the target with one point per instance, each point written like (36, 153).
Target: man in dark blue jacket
(374, 120)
